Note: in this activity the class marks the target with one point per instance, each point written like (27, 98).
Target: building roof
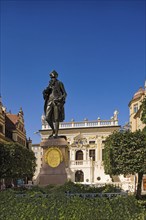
(13, 118)
(139, 93)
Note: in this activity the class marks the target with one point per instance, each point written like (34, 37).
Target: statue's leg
(56, 128)
(49, 117)
(52, 126)
(56, 118)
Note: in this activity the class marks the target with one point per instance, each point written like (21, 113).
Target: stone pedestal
(55, 161)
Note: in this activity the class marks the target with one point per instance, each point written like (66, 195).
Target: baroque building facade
(85, 150)
(12, 127)
(135, 109)
(86, 146)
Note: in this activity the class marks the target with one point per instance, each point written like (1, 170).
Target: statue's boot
(51, 135)
(56, 136)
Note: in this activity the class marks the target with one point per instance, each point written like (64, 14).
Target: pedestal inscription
(55, 161)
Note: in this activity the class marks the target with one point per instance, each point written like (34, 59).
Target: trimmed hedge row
(59, 207)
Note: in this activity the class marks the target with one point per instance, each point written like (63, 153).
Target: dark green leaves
(58, 207)
(125, 153)
(143, 106)
(16, 161)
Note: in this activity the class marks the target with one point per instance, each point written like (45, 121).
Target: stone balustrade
(82, 124)
(84, 163)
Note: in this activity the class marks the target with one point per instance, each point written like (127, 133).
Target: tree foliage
(16, 161)
(143, 115)
(143, 106)
(125, 153)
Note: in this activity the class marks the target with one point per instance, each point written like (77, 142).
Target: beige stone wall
(95, 137)
(135, 111)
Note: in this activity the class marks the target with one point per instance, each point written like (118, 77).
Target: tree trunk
(138, 193)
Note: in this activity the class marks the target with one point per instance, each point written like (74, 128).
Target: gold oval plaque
(53, 157)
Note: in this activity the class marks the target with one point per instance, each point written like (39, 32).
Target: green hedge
(76, 188)
(56, 206)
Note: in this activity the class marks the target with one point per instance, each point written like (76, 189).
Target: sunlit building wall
(135, 112)
(85, 150)
(135, 109)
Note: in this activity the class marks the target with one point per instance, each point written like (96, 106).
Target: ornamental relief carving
(53, 157)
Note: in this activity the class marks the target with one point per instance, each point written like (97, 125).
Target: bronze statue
(54, 96)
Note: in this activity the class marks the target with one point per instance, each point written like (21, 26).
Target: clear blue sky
(97, 47)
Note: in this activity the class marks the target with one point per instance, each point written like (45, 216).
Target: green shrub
(56, 206)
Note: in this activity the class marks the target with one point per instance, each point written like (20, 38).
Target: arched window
(79, 176)
(79, 155)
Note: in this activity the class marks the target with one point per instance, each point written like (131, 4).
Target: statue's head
(54, 74)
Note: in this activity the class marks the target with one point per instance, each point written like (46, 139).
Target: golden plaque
(53, 157)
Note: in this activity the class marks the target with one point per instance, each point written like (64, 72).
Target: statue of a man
(54, 96)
